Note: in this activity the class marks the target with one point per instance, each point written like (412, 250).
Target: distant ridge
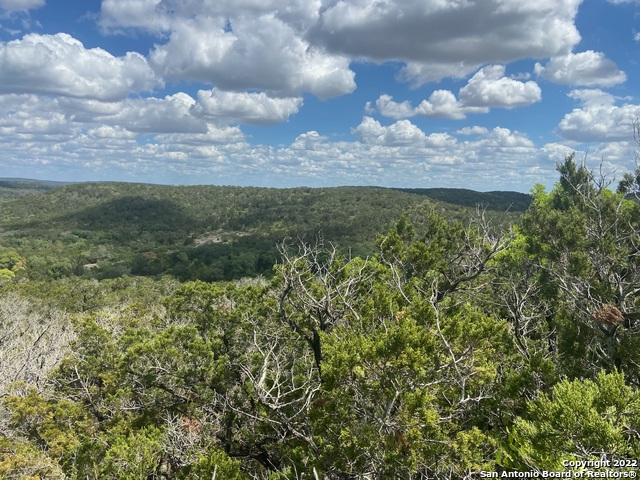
(30, 183)
(495, 200)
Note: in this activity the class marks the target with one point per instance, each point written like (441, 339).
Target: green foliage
(580, 419)
(387, 392)
(11, 262)
(24, 460)
(135, 457)
(57, 425)
(216, 464)
(583, 239)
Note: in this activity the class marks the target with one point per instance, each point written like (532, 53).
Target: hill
(502, 201)
(14, 188)
(206, 232)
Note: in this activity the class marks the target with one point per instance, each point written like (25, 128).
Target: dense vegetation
(203, 232)
(456, 346)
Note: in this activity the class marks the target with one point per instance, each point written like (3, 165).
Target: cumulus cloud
(21, 5)
(441, 38)
(557, 151)
(400, 133)
(169, 114)
(387, 107)
(590, 69)
(490, 88)
(418, 73)
(308, 141)
(505, 138)
(440, 104)
(161, 15)
(598, 119)
(77, 108)
(149, 115)
(227, 135)
(243, 107)
(443, 104)
(260, 52)
(59, 64)
(590, 97)
(110, 132)
(147, 14)
(474, 130)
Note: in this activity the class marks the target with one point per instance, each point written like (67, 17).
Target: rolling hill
(207, 232)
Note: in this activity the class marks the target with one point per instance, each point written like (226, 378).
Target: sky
(480, 94)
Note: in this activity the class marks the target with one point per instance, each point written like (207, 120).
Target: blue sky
(485, 94)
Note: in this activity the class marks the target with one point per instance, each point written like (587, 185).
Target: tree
(586, 242)
(580, 420)
(32, 341)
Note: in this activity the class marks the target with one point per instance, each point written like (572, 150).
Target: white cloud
(474, 130)
(443, 104)
(115, 14)
(21, 5)
(260, 52)
(28, 118)
(557, 151)
(440, 104)
(591, 69)
(165, 115)
(599, 122)
(308, 141)
(590, 97)
(400, 133)
(490, 88)
(369, 130)
(387, 107)
(109, 132)
(403, 132)
(76, 110)
(441, 38)
(421, 73)
(162, 15)
(234, 107)
(203, 121)
(173, 113)
(504, 138)
(213, 136)
(59, 64)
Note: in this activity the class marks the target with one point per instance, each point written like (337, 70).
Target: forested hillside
(106, 230)
(464, 343)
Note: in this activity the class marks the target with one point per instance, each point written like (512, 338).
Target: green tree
(584, 240)
(579, 420)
